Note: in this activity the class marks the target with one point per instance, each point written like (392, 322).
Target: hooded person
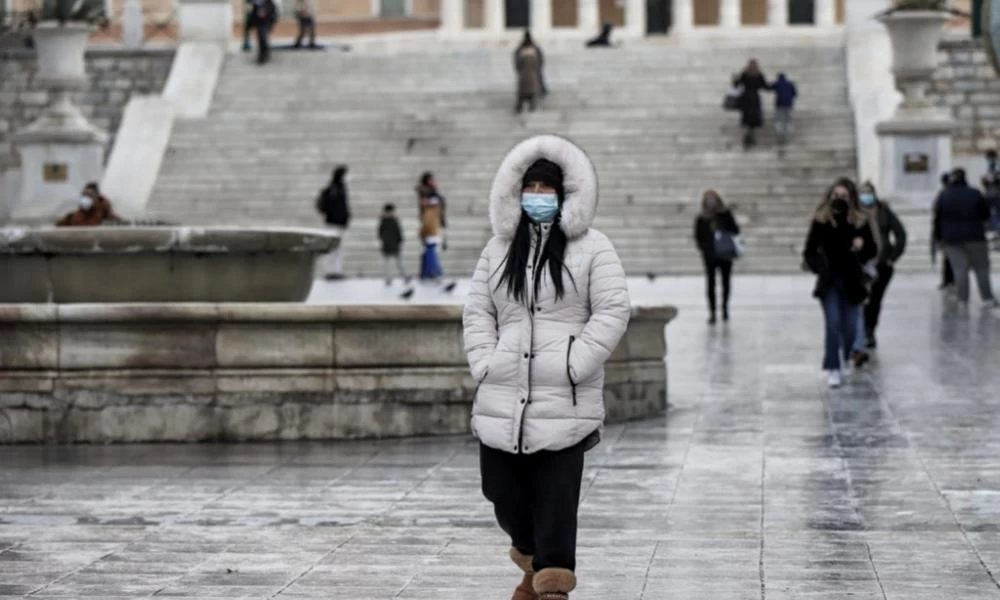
(547, 306)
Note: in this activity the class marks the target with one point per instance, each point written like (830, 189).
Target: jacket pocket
(569, 373)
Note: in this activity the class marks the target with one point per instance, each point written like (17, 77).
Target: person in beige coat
(528, 64)
(548, 304)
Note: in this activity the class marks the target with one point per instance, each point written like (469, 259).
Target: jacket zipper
(531, 336)
(569, 350)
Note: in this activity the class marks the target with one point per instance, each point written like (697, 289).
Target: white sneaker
(834, 380)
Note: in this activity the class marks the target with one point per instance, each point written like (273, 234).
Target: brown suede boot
(554, 584)
(524, 591)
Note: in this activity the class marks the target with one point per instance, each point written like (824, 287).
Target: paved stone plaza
(758, 483)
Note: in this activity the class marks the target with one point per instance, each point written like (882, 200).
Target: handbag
(727, 246)
(733, 97)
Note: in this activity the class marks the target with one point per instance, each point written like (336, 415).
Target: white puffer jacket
(541, 373)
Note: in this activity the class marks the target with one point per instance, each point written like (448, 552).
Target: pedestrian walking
(548, 304)
(431, 236)
(391, 236)
(961, 215)
(264, 14)
(840, 241)
(891, 235)
(785, 94)
(306, 17)
(333, 205)
(752, 81)
(715, 231)
(528, 65)
(947, 274)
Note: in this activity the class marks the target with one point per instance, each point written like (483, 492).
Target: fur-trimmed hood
(579, 183)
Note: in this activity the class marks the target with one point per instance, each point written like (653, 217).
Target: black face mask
(839, 207)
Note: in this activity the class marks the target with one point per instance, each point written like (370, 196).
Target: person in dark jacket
(784, 101)
(334, 207)
(840, 241)
(715, 221)
(528, 65)
(263, 16)
(529, 41)
(961, 215)
(893, 244)
(391, 236)
(752, 113)
(947, 274)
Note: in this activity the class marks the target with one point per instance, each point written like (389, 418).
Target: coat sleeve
(479, 319)
(610, 310)
(870, 248)
(731, 224)
(811, 254)
(899, 236)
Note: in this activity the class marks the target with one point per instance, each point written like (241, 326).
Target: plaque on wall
(916, 162)
(55, 172)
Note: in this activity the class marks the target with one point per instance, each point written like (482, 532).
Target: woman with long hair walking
(547, 306)
(840, 241)
(715, 231)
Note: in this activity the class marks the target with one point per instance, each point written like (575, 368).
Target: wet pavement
(759, 483)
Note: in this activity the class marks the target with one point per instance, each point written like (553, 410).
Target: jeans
(430, 266)
(974, 256)
(783, 126)
(841, 319)
(873, 310)
(535, 499)
(725, 268)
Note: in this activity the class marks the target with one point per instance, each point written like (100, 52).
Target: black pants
(947, 274)
(307, 26)
(535, 498)
(726, 268)
(874, 307)
(263, 46)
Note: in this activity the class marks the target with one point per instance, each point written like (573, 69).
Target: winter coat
(705, 228)
(390, 234)
(529, 68)
(784, 93)
(829, 255)
(539, 363)
(430, 219)
(960, 215)
(333, 204)
(100, 212)
(753, 114)
(892, 234)
(423, 193)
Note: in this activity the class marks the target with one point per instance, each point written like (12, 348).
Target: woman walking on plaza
(892, 236)
(715, 232)
(840, 241)
(548, 304)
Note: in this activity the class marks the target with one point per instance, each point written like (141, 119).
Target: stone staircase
(649, 116)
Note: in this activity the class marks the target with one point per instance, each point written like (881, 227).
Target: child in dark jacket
(391, 236)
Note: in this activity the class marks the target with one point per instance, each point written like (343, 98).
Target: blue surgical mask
(867, 198)
(540, 208)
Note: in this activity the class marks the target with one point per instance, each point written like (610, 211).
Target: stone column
(588, 16)
(205, 21)
(777, 13)
(730, 14)
(635, 17)
(452, 16)
(541, 16)
(826, 13)
(683, 16)
(496, 16)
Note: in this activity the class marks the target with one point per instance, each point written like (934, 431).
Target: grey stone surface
(969, 87)
(758, 484)
(113, 77)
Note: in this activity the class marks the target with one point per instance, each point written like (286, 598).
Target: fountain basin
(159, 264)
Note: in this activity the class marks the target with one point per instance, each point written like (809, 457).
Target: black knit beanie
(544, 171)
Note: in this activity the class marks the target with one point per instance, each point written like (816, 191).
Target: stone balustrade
(192, 372)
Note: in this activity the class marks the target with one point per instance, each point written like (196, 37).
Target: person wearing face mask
(960, 215)
(713, 223)
(548, 304)
(891, 236)
(840, 241)
(93, 209)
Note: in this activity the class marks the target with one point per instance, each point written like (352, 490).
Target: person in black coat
(715, 221)
(334, 207)
(840, 241)
(947, 274)
(961, 214)
(892, 235)
(751, 111)
(390, 234)
(263, 16)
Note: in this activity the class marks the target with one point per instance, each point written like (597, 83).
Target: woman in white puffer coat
(547, 307)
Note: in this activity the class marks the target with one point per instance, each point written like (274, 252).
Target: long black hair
(515, 265)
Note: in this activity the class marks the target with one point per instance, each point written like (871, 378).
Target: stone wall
(192, 372)
(966, 83)
(114, 75)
